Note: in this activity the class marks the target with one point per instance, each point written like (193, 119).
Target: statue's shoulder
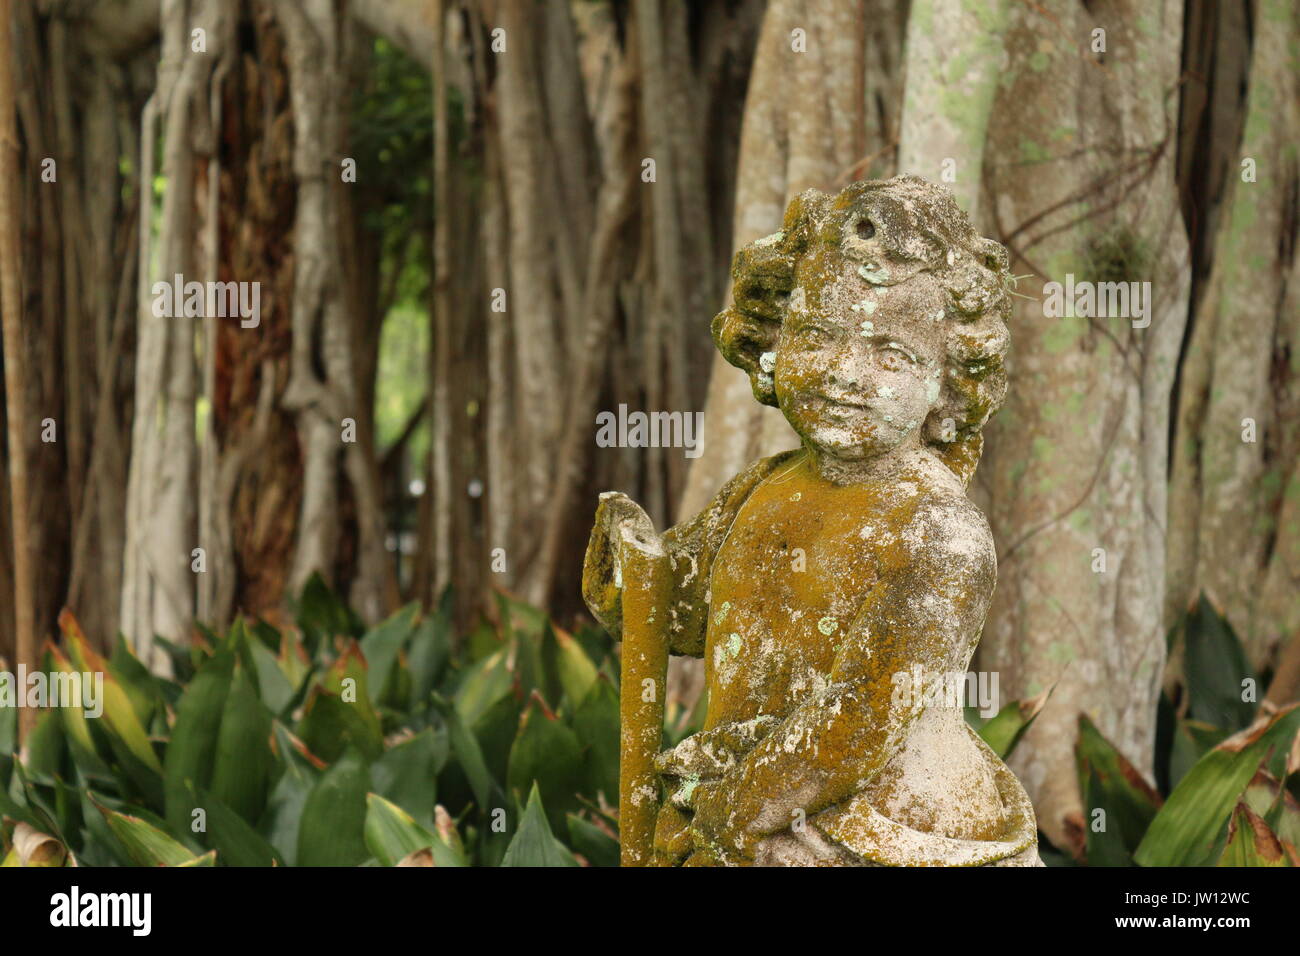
(946, 526)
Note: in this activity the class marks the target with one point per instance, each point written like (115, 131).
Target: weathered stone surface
(833, 590)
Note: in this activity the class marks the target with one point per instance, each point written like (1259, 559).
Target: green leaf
(1251, 842)
(321, 615)
(274, 688)
(119, 715)
(577, 673)
(547, 754)
(1110, 783)
(235, 841)
(1004, 730)
(428, 656)
(338, 712)
(381, 645)
(192, 750)
(596, 723)
(484, 684)
(45, 749)
(1266, 796)
(243, 762)
(1191, 827)
(407, 774)
(1215, 666)
(534, 844)
(284, 807)
(595, 845)
(1192, 740)
(332, 832)
(392, 834)
(146, 844)
(468, 754)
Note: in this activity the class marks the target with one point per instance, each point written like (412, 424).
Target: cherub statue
(831, 588)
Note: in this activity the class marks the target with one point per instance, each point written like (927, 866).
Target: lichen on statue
(829, 588)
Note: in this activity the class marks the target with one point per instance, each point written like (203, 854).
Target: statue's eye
(895, 358)
(865, 229)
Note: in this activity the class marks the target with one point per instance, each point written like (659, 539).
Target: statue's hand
(620, 524)
(712, 827)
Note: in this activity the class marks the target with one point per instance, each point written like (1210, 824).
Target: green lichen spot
(827, 625)
(722, 612)
(733, 644)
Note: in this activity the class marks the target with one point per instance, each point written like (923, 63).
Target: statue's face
(859, 364)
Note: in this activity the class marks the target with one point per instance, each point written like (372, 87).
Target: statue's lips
(842, 402)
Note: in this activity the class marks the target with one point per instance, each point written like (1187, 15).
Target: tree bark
(18, 420)
(1080, 180)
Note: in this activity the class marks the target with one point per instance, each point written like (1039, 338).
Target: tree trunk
(1080, 180)
(1235, 493)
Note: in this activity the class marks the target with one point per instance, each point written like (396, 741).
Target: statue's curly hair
(921, 229)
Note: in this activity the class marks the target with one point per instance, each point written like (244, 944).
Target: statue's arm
(690, 547)
(926, 614)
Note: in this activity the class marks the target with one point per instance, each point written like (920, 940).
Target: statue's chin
(851, 445)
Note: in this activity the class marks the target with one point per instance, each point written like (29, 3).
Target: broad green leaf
(146, 844)
(332, 832)
(407, 774)
(1111, 784)
(469, 756)
(119, 714)
(140, 686)
(45, 749)
(192, 750)
(484, 684)
(496, 731)
(547, 754)
(534, 844)
(273, 686)
(235, 841)
(1191, 827)
(380, 647)
(1251, 842)
(392, 834)
(1192, 740)
(576, 671)
(428, 656)
(243, 762)
(1215, 666)
(596, 722)
(593, 843)
(284, 807)
(1005, 729)
(338, 712)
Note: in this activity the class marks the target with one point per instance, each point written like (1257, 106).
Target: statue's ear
(761, 277)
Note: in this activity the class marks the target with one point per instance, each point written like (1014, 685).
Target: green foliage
(1227, 770)
(329, 745)
(326, 744)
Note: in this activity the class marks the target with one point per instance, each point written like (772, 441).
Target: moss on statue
(836, 592)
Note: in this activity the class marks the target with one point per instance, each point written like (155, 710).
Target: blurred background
(477, 225)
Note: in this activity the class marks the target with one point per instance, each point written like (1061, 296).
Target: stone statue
(833, 590)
